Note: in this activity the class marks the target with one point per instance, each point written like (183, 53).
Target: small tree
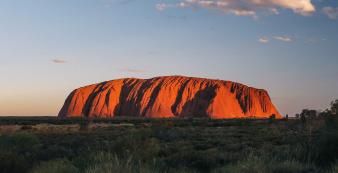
(85, 123)
(306, 117)
(309, 113)
(334, 107)
(302, 118)
(297, 116)
(272, 118)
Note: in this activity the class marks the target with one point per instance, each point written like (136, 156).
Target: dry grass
(9, 129)
(52, 128)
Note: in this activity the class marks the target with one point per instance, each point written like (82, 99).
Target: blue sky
(50, 47)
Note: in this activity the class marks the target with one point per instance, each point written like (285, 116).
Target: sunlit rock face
(170, 96)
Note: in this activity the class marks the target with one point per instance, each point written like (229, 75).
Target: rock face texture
(170, 96)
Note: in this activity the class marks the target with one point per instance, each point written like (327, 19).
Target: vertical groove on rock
(152, 99)
(88, 104)
(178, 100)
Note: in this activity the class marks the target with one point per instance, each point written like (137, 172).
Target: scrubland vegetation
(49, 145)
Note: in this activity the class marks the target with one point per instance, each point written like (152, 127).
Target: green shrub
(201, 160)
(255, 164)
(139, 143)
(251, 165)
(288, 166)
(18, 152)
(325, 143)
(21, 143)
(104, 162)
(55, 166)
(12, 162)
(334, 168)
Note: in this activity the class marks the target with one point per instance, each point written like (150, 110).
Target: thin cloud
(59, 61)
(263, 40)
(131, 70)
(245, 7)
(331, 12)
(283, 38)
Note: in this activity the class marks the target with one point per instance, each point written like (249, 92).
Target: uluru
(169, 96)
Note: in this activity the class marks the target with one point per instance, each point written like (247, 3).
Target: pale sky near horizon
(50, 47)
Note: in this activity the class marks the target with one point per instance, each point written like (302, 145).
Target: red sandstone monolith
(169, 96)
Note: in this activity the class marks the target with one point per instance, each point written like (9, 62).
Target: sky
(50, 47)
